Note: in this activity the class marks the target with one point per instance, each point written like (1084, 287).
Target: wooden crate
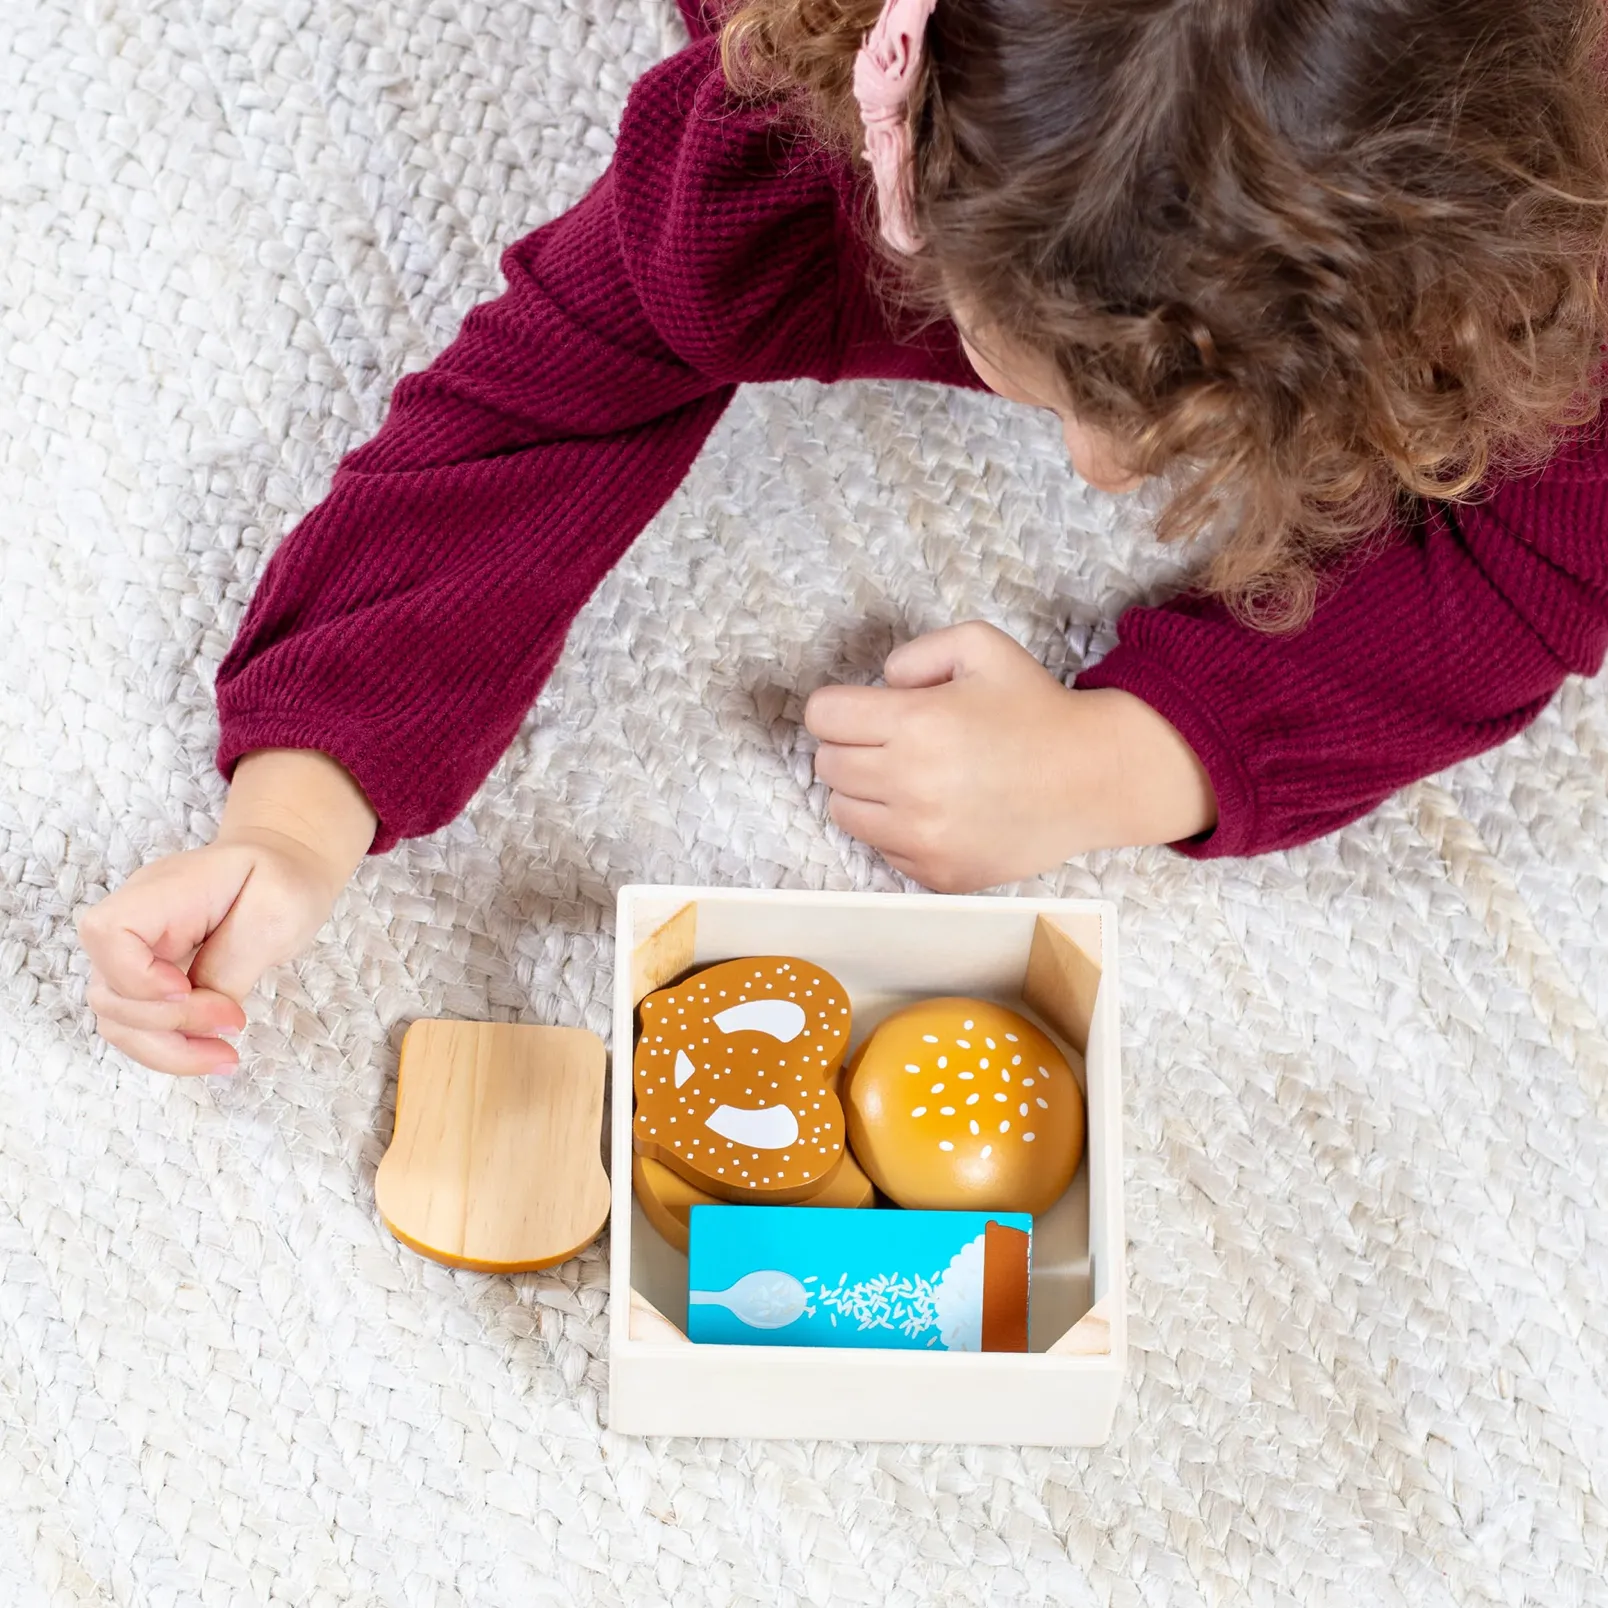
(1055, 960)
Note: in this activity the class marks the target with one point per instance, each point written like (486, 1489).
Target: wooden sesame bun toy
(735, 1075)
(959, 1104)
(667, 1198)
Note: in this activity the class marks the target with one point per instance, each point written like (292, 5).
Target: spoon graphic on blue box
(764, 1299)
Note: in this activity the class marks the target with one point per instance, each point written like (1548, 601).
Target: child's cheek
(1096, 459)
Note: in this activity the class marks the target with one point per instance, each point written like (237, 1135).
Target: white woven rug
(1367, 1180)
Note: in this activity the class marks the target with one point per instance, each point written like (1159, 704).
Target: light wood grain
(1062, 981)
(495, 1160)
(1090, 1336)
(665, 953)
(650, 1324)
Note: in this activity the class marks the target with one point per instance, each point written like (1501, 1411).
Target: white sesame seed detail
(1011, 1038)
(968, 1024)
(946, 1111)
(943, 1061)
(965, 1044)
(974, 1127)
(1043, 1104)
(1021, 1110)
(910, 1066)
(920, 1111)
(1027, 1138)
(937, 1088)
(988, 1150)
(972, 1099)
(929, 1038)
(1005, 1126)
(944, 1144)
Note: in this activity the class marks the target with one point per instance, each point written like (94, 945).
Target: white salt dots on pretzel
(960, 1103)
(735, 1077)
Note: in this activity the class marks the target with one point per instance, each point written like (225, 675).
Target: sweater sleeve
(1447, 638)
(408, 622)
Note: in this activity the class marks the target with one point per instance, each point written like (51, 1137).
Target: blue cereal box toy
(820, 1276)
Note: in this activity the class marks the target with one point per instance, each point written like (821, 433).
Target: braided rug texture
(1367, 1082)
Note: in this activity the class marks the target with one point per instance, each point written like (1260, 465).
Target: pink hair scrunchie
(884, 71)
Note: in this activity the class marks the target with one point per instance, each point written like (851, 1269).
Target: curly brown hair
(1312, 259)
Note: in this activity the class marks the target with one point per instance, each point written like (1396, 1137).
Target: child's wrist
(1160, 791)
(305, 795)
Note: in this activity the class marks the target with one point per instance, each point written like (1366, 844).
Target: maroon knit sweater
(409, 621)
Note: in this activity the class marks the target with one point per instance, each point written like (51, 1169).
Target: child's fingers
(863, 715)
(128, 959)
(857, 771)
(940, 656)
(171, 1052)
(905, 867)
(203, 1010)
(870, 822)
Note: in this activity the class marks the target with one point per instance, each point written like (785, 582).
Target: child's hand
(224, 915)
(974, 766)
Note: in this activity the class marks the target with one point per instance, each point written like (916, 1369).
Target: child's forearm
(304, 794)
(1160, 790)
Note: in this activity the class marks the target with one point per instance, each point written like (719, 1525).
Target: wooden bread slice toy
(494, 1162)
(735, 1077)
(667, 1198)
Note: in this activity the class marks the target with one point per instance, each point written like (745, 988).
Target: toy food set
(736, 1075)
(785, 1275)
(495, 1163)
(961, 1104)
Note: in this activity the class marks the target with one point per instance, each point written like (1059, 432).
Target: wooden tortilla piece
(494, 1163)
(667, 1198)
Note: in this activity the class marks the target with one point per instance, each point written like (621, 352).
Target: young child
(1332, 268)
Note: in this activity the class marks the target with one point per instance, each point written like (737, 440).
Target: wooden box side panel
(998, 1399)
(1107, 1317)
(886, 949)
